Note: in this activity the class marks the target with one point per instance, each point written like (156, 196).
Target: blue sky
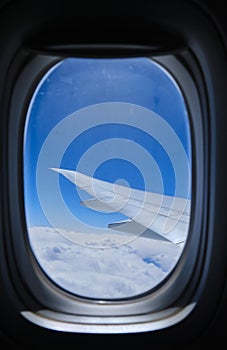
(76, 85)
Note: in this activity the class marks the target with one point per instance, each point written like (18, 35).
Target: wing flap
(136, 229)
(96, 204)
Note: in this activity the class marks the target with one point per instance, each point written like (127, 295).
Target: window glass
(107, 176)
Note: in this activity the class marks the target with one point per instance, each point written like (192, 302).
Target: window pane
(107, 176)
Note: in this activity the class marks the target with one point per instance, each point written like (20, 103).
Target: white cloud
(104, 266)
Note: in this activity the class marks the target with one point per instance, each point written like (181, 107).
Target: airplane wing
(149, 214)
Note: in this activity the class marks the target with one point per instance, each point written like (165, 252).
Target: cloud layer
(105, 265)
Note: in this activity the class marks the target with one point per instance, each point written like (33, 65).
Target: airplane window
(107, 176)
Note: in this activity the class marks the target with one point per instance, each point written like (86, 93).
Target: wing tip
(57, 170)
